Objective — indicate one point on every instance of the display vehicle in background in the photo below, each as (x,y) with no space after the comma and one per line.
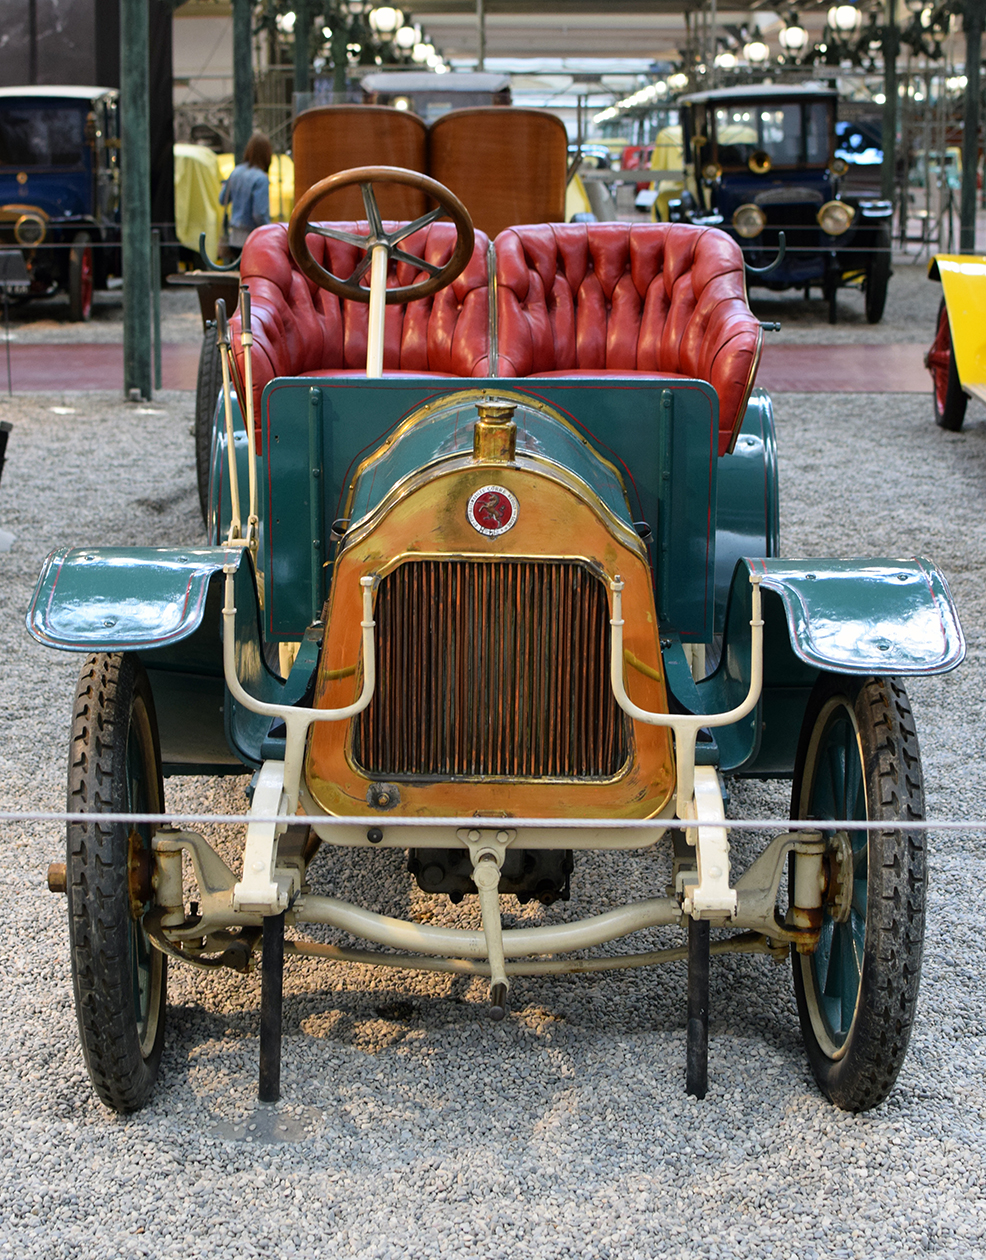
(60,188)
(957,358)
(493,578)
(760,161)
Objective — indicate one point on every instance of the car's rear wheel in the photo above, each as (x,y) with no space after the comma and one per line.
(878,277)
(207,390)
(119,978)
(81,278)
(858,759)
(946,390)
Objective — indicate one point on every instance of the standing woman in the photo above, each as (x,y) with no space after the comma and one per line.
(247,192)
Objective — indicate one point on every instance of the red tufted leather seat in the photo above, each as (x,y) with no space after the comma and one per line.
(666,299)
(302,330)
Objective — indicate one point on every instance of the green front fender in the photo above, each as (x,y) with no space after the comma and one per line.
(868,617)
(123,599)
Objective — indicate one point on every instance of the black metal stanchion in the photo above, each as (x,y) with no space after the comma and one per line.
(697,1049)
(271,1003)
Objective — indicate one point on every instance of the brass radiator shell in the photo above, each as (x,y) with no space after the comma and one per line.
(521,763)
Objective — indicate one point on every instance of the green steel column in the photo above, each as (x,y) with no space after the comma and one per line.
(242,77)
(302,36)
(972,21)
(135,163)
(891,43)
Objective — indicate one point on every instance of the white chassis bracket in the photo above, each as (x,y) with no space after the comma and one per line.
(266,888)
(712,895)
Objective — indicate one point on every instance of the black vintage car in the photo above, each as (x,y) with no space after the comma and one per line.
(60,188)
(759,161)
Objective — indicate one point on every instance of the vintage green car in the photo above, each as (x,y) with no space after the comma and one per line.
(493,578)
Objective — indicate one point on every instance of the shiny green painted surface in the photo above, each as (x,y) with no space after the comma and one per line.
(116,599)
(248,733)
(747,512)
(448,431)
(869,616)
(659,435)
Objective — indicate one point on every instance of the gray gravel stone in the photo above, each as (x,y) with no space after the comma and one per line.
(426,1130)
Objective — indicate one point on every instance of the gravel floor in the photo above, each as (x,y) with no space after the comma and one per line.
(424,1130)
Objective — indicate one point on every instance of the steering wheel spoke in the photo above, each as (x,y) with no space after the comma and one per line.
(361,269)
(337,234)
(414,261)
(410,228)
(366,177)
(372,211)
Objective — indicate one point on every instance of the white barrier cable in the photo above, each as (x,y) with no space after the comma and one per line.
(500,823)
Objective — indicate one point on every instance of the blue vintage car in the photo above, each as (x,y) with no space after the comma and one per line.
(761,161)
(493,578)
(60,188)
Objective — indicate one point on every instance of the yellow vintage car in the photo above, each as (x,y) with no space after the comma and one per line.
(957,358)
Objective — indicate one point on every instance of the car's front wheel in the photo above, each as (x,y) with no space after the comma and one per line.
(858,760)
(119,978)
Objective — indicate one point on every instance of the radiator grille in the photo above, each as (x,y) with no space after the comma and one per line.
(492,670)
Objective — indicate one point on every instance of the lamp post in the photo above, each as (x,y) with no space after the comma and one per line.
(135,163)
(891,43)
(242,78)
(972,22)
(302,52)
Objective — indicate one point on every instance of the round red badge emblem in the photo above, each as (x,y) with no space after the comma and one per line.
(492,510)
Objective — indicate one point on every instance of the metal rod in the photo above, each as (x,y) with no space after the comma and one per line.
(375,325)
(742,943)
(697,1052)
(6,337)
(271,1008)
(481,35)
(156,302)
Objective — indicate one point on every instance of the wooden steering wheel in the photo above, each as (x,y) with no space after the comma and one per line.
(366,177)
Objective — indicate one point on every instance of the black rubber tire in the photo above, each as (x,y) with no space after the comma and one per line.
(862,728)
(207,390)
(878,278)
(81,278)
(119,979)
(948,398)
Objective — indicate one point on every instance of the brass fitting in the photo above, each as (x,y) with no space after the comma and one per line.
(495,434)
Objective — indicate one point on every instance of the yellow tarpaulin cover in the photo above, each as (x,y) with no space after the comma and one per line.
(667,156)
(963,278)
(199,174)
(197,206)
(576,201)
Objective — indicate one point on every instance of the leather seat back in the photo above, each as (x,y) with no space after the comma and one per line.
(300,328)
(662,298)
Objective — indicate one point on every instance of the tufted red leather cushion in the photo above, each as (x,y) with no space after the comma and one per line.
(663,298)
(300,329)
